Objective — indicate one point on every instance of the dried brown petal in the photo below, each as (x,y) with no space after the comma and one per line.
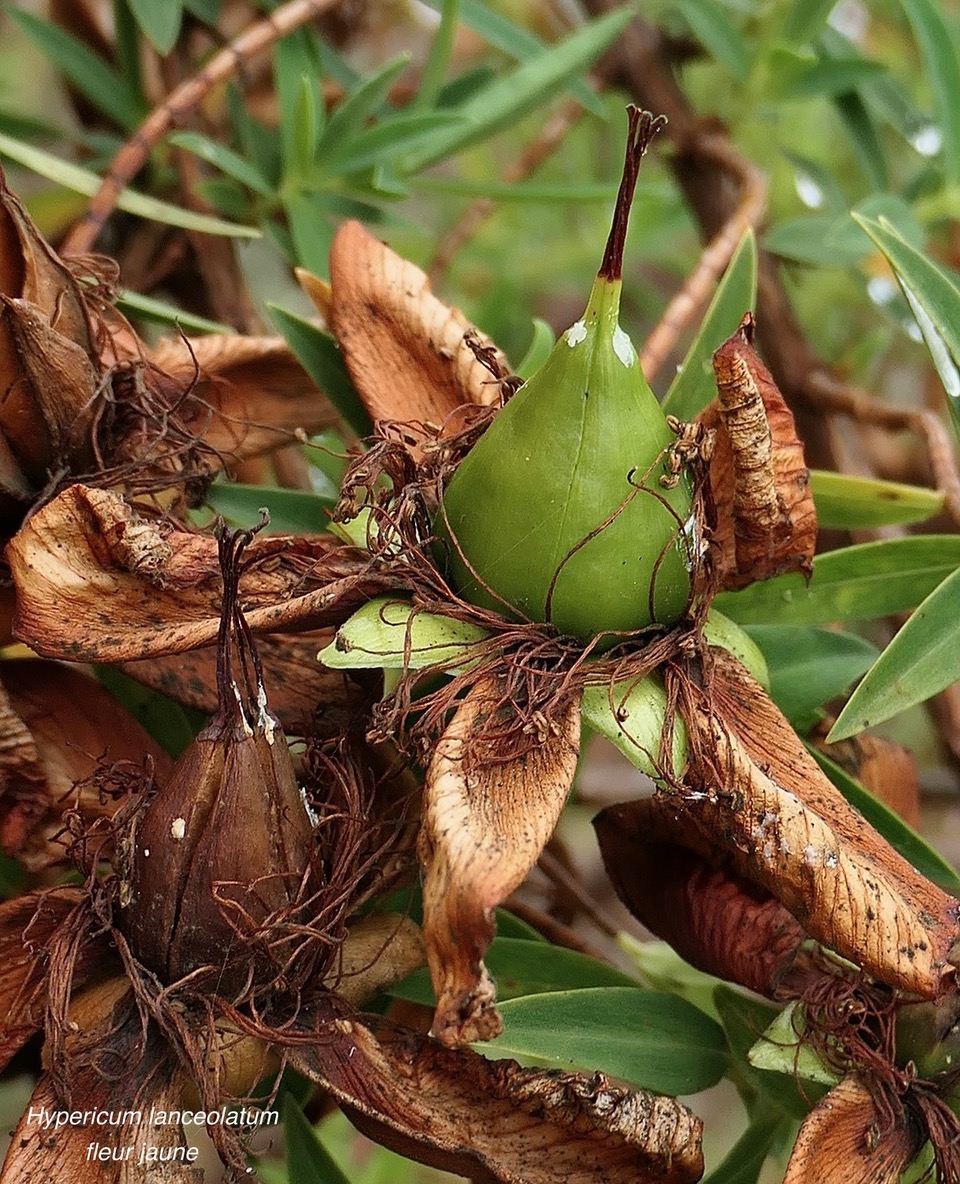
(28,925)
(126,1075)
(884,767)
(96,583)
(248,394)
(495,1122)
(847,1138)
(714,919)
(58,725)
(766,521)
(484,826)
(762,803)
(408,353)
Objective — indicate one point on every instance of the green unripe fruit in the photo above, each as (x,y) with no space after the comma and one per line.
(558,510)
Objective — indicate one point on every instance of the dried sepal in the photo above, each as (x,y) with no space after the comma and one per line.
(495,1122)
(714,919)
(762,804)
(765,517)
(58,727)
(850,1137)
(411,357)
(248,395)
(486,818)
(96,582)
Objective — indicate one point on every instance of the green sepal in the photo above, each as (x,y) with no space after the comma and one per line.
(631,715)
(389,634)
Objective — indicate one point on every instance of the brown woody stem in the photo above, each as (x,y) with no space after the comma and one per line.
(643,127)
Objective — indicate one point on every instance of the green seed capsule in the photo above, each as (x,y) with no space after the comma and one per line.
(557,513)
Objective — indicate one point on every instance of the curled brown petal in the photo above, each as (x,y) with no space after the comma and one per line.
(485,823)
(850,1138)
(495,1122)
(97,583)
(714,919)
(411,357)
(766,521)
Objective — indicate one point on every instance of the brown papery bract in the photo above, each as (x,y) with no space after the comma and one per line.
(485,823)
(411,357)
(766,522)
(493,1121)
(96,582)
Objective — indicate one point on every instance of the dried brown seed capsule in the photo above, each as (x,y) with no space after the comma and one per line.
(219,859)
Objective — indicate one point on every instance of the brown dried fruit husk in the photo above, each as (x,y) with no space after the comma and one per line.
(885,768)
(766,522)
(58,727)
(485,821)
(714,919)
(96,582)
(850,1137)
(493,1121)
(411,357)
(761,805)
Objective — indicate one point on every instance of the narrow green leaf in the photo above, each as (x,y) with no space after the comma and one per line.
(135,304)
(694,387)
(126,49)
(942,71)
(308,1161)
(438,59)
(934,300)
(293,60)
(661,967)
(849,503)
(716,33)
(225,159)
(291,510)
(851,584)
(81,180)
(518,43)
(207,11)
(309,220)
(538,350)
(810,666)
(833,76)
(258,144)
(363,102)
(159,21)
(107,90)
(521,968)
(305,132)
(913,847)
(514,94)
(652,1040)
(386,633)
(318,353)
(920,661)
(826,240)
(390,137)
(744,1161)
(805,19)
(864,137)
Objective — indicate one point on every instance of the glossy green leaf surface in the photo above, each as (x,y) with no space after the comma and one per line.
(291,510)
(854,584)
(781,1049)
(631,715)
(521,967)
(849,502)
(386,633)
(899,835)
(809,666)
(920,661)
(694,386)
(646,1038)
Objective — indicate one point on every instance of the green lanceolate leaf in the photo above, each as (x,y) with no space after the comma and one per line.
(850,503)
(290,510)
(557,513)
(308,1161)
(135,304)
(744,1161)
(158,21)
(810,666)
(934,300)
(387,633)
(631,716)
(661,967)
(901,837)
(522,968)
(712,27)
(920,661)
(694,385)
(647,1038)
(852,584)
(942,71)
(361,104)
(227,161)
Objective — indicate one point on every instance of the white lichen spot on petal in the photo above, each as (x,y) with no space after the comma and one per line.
(623,347)
(575,334)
